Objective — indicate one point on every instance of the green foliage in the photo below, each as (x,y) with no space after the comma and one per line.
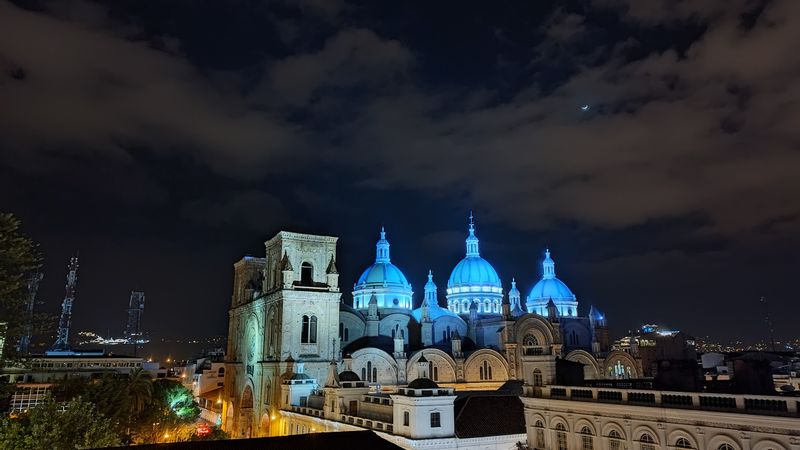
(172,412)
(19,257)
(79,426)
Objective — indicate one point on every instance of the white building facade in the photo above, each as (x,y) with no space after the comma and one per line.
(582,418)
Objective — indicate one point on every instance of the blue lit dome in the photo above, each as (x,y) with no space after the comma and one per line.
(551,288)
(382,273)
(383,280)
(474,280)
(474,271)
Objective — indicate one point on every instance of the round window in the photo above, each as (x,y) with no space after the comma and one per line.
(396,301)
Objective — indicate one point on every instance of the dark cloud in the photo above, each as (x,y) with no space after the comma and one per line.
(336,118)
(90,91)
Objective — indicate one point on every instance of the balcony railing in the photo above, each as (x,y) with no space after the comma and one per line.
(745,404)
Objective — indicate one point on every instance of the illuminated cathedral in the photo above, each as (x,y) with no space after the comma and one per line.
(291,336)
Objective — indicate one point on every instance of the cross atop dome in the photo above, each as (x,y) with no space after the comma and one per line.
(548,266)
(382,249)
(472,240)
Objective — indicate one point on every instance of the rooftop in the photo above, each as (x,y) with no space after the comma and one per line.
(345,439)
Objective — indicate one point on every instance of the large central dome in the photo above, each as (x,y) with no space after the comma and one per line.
(474,280)
(473,271)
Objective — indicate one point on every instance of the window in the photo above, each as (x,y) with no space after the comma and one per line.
(485,371)
(561,437)
(307,274)
(374,374)
(539,434)
(435,373)
(647,442)
(341,330)
(436,420)
(586,439)
(308,334)
(683,443)
(614,440)
(537,378)
(405,418)
(368,378)
(725,446)
(346,334)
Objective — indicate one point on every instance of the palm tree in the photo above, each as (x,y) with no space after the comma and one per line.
(138,393)
(139,390)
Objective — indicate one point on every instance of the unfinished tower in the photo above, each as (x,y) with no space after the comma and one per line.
(133,329)
(62,341)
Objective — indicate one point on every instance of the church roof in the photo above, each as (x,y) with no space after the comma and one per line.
(382,272)
(423,383)
(348,375)
(550,287)
(473,270)
(384,343)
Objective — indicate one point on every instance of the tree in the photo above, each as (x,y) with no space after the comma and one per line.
(139,390)
(58,426)
(19,258)
(171,413)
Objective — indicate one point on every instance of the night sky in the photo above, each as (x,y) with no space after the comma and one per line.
(165,140)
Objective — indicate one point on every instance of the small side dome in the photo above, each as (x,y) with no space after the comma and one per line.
(348,375)
(300,376)
(423,383)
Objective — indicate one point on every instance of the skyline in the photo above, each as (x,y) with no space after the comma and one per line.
(652,148)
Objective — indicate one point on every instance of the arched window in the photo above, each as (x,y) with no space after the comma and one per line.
(647,442)
(346,334)
(435,373)
(561,437)
(374,374)
(308,334)
(221,372)
(683,443)
(368,378)
(537,378)
(405,418)
(341,330)
(539,434)
(614,440)
(725,446)
(364,374)
(307,274)
(444,335)
(449,334)
(485,371)
(587,442)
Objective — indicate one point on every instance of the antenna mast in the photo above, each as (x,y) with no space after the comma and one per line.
(62,341)
(33,288)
